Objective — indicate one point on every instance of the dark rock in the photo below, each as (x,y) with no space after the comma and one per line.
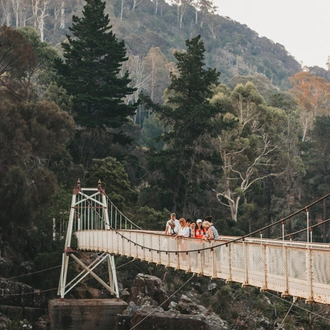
(32,314)
(86,293)
(12,312)
(212,286)
(197,286)
(6,266)
(123,322)
(19,294)
(131,309)
(42,324)
(3,322)
(173,305)
(187,306)
(148,290)
(148,319)
(124,294)
(26,267)
(216,323)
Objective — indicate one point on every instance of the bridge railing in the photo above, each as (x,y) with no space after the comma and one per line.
(292,268)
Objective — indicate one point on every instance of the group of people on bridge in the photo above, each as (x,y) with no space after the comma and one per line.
(186,228)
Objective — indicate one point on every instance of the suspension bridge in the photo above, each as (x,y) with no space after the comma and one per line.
(292,268)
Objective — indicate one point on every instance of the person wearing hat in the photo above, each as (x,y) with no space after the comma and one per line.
(199,230)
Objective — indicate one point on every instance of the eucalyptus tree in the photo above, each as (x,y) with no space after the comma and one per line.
(14,51)
(157,66)
(33,130)
(188,116)
(316,158)
(28,63)
(42,71)
(251,150)
(17,57)
(312,94)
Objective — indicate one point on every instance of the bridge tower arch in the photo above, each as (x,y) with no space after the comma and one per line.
(89,210)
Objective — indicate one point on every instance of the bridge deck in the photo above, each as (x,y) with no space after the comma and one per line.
(296,269)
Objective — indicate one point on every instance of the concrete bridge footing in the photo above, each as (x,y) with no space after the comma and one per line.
(84,314)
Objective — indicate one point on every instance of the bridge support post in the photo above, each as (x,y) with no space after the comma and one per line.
(89,210)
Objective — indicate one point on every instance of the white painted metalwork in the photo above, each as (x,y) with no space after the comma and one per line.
(89,211)
(297,269)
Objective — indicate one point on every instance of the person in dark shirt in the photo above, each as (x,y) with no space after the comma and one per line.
(188,223)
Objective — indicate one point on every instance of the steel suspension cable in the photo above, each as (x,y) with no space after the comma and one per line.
(241,238)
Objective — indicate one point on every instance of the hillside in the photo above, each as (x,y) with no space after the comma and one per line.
(232,48)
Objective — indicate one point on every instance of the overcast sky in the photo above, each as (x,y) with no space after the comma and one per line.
(303,28)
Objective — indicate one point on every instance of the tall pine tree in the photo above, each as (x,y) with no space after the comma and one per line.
(90,72)
(189,117)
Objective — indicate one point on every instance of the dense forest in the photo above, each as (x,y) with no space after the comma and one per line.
(173,107)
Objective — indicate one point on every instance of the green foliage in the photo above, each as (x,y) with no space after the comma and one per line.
(282,101)
(150,219)
(90,72)
(188,116)
(151,131)
(18,325)
(16,54)
(316,160)
(16,203)
(114,180)
(59,96)
(250,148)
(45,54)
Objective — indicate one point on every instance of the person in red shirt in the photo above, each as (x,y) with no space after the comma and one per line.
(199,230)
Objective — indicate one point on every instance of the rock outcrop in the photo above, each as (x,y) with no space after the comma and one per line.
(150,307)
(20,301)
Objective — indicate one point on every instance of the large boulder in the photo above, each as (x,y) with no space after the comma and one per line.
(19,294)
(148,290)
(3,322)
(187,306)
(6,266)
(42,323)
(15,293)
(150,308)
(160,320)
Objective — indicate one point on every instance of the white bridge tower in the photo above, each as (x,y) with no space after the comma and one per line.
(89,210)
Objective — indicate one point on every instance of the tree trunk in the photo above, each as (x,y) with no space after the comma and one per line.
(156,6)
(121,10)
(16,7)
(324,225)
(178,182)
(153,77)
(34,7)
(62,21)
(134,4)
(41,20)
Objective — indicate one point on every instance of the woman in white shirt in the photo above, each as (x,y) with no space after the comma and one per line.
(183,228)
(183,232)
